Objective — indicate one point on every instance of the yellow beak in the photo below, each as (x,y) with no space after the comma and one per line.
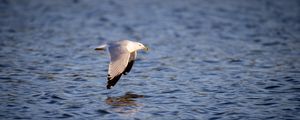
(146,48)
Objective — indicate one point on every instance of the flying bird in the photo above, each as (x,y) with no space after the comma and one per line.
(122,56)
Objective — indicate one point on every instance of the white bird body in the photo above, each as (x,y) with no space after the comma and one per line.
(122,55)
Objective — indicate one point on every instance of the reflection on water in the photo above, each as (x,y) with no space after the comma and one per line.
(125,100)
(125,104)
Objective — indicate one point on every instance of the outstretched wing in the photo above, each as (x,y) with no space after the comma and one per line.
(130,62)
(119,60)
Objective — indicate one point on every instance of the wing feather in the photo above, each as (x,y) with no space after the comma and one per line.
(119,60)
(130,62)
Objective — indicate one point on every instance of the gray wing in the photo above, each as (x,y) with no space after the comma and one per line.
(130,62)
(119,61)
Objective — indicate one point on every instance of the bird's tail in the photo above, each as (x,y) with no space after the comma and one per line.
(101,47)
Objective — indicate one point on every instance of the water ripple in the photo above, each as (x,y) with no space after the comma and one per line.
(208,60)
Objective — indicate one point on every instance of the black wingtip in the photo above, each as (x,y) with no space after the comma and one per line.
(113,81)
(128,68)
(108,87)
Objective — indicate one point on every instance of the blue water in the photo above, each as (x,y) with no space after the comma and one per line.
(208,59)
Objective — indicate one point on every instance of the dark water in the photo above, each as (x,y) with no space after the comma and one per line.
(209,59)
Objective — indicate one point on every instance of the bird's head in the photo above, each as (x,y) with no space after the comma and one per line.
(134,46)
(142,47)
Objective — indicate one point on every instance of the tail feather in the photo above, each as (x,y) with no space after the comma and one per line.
(101,47)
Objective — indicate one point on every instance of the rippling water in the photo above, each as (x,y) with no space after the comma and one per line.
(208,59)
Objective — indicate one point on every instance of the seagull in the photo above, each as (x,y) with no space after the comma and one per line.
(122,56)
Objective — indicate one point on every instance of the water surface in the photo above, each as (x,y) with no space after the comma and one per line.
(208,59)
